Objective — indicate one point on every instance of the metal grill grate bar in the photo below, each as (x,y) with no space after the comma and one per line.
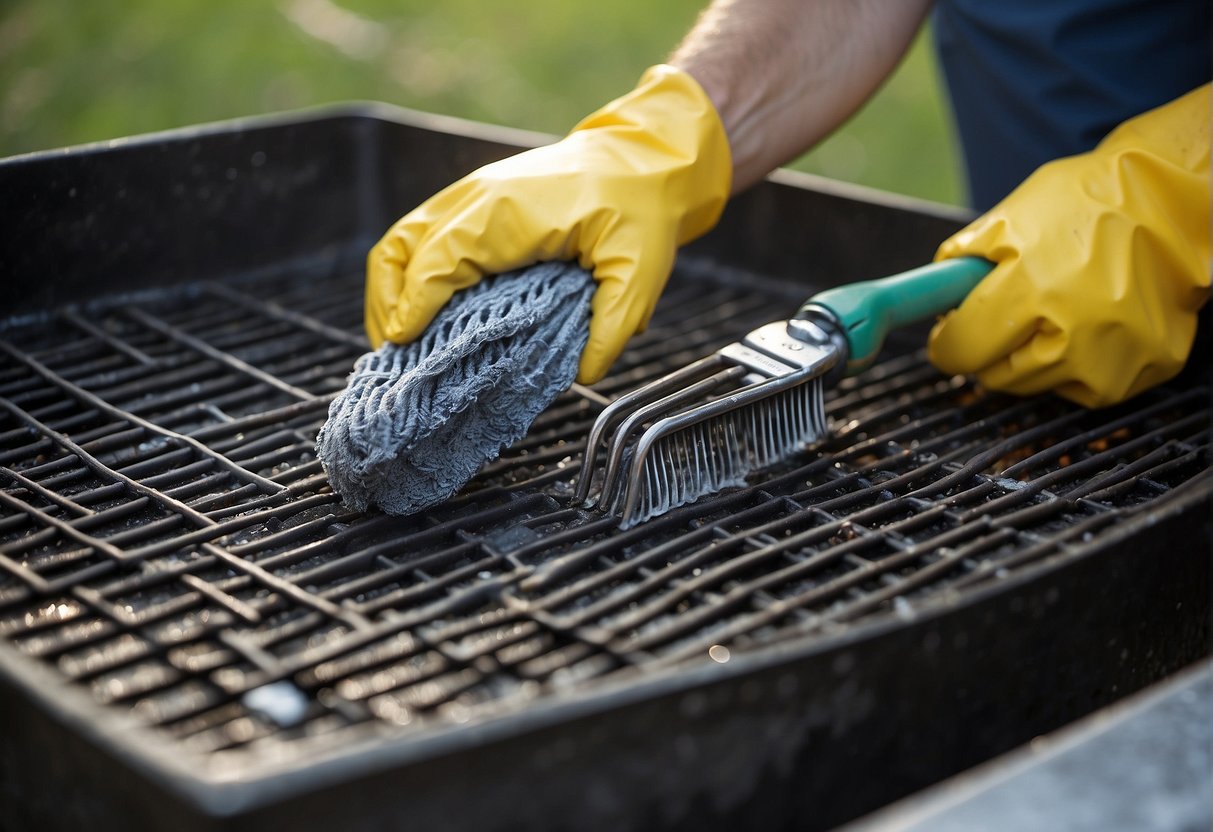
(168,541)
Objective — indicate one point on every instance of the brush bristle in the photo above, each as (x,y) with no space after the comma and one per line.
(721,451)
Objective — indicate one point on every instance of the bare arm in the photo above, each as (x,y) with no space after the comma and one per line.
(784,73)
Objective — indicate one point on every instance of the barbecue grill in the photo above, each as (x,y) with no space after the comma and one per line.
(195,633)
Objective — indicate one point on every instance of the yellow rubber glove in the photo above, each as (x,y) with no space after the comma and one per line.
(1103,263)
(633,181)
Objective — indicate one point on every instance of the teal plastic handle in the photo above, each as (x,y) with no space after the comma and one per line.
(870,309)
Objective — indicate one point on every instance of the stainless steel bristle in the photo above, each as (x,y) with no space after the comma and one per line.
(709,425)
(717,445)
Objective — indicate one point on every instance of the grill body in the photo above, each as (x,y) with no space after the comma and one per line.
(950,576)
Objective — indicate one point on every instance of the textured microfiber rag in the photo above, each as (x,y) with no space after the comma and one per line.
(416,422)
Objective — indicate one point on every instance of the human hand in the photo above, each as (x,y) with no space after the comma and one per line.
(1103,263)
(633,181)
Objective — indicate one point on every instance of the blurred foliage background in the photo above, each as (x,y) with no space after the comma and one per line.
(77,72)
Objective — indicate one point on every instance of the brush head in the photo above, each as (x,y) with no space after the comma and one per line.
(684,457)
(708,426)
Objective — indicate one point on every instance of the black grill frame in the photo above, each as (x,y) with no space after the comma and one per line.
(616,749)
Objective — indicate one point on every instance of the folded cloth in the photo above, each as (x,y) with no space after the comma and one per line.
(417,421)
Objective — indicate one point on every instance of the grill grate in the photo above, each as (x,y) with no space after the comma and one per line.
(168,541)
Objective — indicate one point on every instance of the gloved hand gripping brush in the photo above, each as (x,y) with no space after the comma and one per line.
(1103,266)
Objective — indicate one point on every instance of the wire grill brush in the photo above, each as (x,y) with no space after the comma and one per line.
(754,402)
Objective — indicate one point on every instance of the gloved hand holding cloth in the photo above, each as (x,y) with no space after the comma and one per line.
(633,181)
(1103,261)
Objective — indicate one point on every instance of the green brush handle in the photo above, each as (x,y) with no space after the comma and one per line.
(870,309)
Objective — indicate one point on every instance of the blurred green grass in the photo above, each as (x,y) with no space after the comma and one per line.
(79,72)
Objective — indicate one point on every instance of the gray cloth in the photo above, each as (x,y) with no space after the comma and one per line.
(416,422)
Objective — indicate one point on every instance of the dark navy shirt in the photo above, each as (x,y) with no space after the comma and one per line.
(1034,80)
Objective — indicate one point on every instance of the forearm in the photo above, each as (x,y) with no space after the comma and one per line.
(784,73)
